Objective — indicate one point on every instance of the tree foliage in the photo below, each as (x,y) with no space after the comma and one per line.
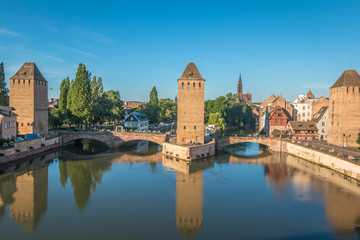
(154,96)
(226,110)
(4,91)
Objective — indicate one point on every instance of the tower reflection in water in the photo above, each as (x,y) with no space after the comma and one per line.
(189,193)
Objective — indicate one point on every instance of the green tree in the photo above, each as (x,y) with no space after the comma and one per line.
(64,92)
(4,91)
(358,140)
(216,119)
(167,110)
(153,96)
(81,96)
(54,118)
(116,109)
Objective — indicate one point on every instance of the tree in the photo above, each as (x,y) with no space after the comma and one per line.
(358,140)
(116,109)
(216,119)
(153,96)
(4,91)
(54,118)
(167,110)
(81,96)
(64,92)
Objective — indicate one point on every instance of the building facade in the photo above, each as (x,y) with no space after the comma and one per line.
(240,95)
(7,123)
(302,130)
(344,114)
(190,115)
(321,120)
(278,120)
(29,98)
(136,121)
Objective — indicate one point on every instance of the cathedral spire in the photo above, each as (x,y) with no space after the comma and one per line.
(240,86)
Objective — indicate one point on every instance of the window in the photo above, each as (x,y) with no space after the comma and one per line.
(303,114)
(188,85)
(323,131)
(193,85)
(308,114)
(323,123)
(28,124)
(184,127)
(308,107)
(194,127)
(182,85)
(200,86)
(281,121)
(22,124)
(276,120)
(5,124)
(303,107)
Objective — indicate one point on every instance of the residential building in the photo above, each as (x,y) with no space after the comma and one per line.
(316,106)
(29,98)
(240,95)
(278,119)
(136,121)
(307,105)
(302,130)
(7,123)
(321,120)
(271,103)
(344,114)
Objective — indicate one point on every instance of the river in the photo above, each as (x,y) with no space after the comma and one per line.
(136,193)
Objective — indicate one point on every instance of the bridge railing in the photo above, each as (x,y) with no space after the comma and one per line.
(140,131)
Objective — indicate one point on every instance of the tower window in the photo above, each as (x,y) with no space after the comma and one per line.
(188,85)
(199,85)
(194,127)
(184,127)
(193,85)
(182,85)
(18,81)
(14,83)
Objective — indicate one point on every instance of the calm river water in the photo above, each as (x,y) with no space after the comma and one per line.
(136,193)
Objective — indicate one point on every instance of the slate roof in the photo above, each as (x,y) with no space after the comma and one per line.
(349,78)
(191,73)
(29,71)
(6,111)
(303,126)
(317,116)
(139,116)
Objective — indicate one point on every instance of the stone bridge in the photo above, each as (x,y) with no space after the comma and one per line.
(114,139)
(273,144)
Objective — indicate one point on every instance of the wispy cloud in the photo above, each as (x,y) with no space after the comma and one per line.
(79,51)
(317,85)
(5,31)
(56,59)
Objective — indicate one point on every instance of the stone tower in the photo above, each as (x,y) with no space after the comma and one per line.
(190,116)
(29,98)
(344,115)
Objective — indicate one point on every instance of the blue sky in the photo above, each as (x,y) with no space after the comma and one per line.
(280,47)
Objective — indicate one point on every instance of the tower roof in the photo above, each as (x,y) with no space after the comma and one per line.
(29,71)
(310,95)
(349,78)
(191,73)
(240,81)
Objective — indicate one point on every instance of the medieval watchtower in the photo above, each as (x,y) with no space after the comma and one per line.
(29,97)
(344,116)
(190,115)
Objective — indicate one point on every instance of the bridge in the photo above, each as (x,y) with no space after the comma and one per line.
(114,139)
(273,144)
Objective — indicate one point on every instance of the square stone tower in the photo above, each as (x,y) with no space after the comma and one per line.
(344,115)
(29,98)
(190,111)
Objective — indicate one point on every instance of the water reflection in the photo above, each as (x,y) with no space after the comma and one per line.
(24,191)
(84,176)
(189,193)
(247,150)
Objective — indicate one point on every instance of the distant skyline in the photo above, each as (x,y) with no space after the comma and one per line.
(280,47)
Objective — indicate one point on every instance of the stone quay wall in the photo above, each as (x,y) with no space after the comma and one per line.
(187,152)
(345,167)
(29,148)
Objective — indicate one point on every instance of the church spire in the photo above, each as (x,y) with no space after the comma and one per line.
(240,86)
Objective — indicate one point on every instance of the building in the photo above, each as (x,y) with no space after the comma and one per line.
(344,114)
(316,106)
(7,123)
(136,121)
(307,105)
(29,98)
(278,119)
(132,104)
(271,103)
(240,95)
(302,130)
(190,115)
(53,103)
(321,120)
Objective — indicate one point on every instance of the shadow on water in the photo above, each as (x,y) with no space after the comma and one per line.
(140,148)
(87,147)
(247,150)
